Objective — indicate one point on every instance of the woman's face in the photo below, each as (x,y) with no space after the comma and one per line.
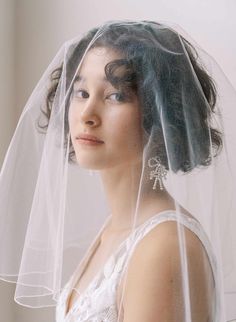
(98,109)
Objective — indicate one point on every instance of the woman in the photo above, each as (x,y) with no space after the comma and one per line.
(132,103)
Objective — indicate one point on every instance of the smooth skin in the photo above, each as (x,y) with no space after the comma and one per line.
(154,292)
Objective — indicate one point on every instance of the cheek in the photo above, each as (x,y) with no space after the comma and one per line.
(126,127)
(71,117)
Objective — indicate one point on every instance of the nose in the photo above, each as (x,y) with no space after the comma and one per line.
(89,114)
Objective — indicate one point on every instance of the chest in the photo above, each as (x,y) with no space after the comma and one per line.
(100,263)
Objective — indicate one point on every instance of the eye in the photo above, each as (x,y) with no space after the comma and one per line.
(117,97)
(80,93)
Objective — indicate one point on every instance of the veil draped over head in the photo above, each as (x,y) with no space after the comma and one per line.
(164,120)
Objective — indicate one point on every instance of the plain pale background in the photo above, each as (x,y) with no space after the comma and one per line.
(31,32)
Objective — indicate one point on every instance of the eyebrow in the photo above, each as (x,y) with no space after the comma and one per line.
(79,78)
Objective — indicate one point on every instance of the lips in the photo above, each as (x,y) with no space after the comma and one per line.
(88,137)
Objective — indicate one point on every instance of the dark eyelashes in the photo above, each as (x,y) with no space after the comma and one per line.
(80,91)
(120,96)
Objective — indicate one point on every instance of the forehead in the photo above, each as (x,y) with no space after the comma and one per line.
(94,62)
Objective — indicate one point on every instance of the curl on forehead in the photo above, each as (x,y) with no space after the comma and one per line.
(108,66)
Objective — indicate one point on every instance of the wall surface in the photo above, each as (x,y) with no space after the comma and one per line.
(32,31)
(7,119)
(7,75)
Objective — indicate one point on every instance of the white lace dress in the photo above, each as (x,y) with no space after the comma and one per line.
(98,302)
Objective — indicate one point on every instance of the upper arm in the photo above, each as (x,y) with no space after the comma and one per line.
(154,284)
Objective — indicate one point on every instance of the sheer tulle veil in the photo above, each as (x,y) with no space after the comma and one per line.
(52,196)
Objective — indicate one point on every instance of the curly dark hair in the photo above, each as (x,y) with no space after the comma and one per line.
(157,65)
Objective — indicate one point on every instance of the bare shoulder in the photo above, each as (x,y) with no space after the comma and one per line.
(164,240)
(153,290)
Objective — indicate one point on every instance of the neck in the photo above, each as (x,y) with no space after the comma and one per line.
(121,185)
